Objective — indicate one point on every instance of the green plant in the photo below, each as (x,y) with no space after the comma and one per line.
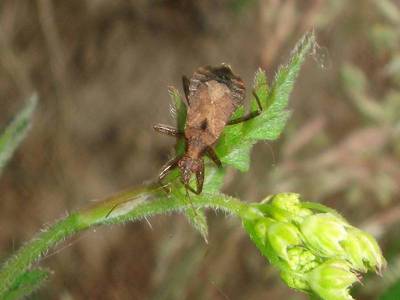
(315,250)
(15,132)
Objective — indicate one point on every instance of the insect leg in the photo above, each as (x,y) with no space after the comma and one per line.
(260,109)
(168,130)
(199,181)
(168,167)
(185,82)
(188,187)
(211,154)
(250,115)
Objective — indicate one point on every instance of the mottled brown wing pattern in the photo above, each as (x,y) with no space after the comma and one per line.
(222,74)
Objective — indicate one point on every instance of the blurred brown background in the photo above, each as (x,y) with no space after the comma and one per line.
(101,69)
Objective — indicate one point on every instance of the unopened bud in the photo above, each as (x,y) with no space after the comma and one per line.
(313,247)
(285,206)
(324,233)
(332,280)
(363,251)
(301,259)
(283,236)
(295,281)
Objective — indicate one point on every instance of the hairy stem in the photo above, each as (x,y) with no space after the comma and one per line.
(130,205)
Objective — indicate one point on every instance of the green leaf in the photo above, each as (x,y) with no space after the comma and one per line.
(178,108)
(178,111)
(261,89)
(286,76)
(16,131)
(235,143)
(26,284)
(212,183)
(197,218)
(232,149)
(214,178)
(238,157)
(268,127)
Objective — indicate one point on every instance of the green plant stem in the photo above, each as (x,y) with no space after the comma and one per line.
(126,206)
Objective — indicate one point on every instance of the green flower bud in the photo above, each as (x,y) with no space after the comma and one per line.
(332,280)
(363,251)
(283,236)
(261,228)
(258,232)
(324,233)
(302,260)
(313,247)
(295,281)
(285,206)
(304,212)
(287,201)
(253,212)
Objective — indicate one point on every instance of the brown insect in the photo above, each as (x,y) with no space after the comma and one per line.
(212,95)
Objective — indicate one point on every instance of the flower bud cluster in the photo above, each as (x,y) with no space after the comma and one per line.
(314,248)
